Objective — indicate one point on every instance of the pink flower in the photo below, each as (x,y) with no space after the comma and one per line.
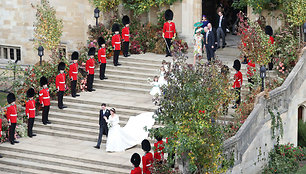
(277,67)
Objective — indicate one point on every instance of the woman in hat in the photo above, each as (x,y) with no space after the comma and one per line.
(197,44)
(204,21)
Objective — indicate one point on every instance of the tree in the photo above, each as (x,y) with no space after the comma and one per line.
(47,28)
(191,103)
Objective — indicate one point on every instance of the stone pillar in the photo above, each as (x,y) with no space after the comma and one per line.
(186,13)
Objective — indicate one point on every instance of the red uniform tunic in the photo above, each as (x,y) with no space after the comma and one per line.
(11,114)
(73,71)
(137,170)
(126,34)
(238,80)
(116,41)
(251,69)
(61,82)
(159,150)
(147,161)
(30,108)
(90,66)
(102,55)
(169,29)
(44,97)
(271,40)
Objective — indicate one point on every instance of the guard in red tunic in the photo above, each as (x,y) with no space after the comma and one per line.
(90,68)
(73,73)
(11,115)
(169,31)
(30,111)
(250,73)
(125,35)
(147,159)
(238,82)
(269,32)
(0,132)
(159,148)
(44,99)
(116,43)
(102,57)
(135,160)
(61,84)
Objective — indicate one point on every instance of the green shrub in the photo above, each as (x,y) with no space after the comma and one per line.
(302,134)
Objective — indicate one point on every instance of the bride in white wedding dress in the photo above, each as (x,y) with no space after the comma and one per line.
(121,138)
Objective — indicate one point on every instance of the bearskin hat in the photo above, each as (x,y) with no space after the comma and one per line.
(237,65)
(115,27)
(101,41)
(158,135)
(125,20)
(135,159)
(61,66)
(30,93)
(11,98)
(269,30)
(74,55)
(92,51)
(43,81)
(168,15)
(145,145)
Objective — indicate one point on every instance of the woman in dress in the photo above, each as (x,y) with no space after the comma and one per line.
(121,138)
(197,41)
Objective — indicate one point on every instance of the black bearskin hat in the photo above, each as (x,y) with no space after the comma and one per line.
(158,135)
(101,41)
(30,93)
(115,27)
(269,30)
(135,159)
(145,145)
(43,81)
(74,55)
(168,15)
(11,98)
(92,51)
(61,66)
(125,20)
(237,65)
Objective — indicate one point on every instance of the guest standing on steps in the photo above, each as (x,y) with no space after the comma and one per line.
(169,31)
(104,114)
(221,30)
(116,43)
(125,35)
(30,111)
(11,115)
(73,73)
(209,44)
(102,57)
(90,68)
(44,99)
(61,84)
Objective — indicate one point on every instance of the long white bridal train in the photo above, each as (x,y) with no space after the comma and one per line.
(121,138)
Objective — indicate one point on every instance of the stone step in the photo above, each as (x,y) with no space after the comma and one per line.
(130,73)
(36,155)
(77,167)
(6,168)
(123,78)
(140,59)
(130,69)
(115,83)
(128,62)
(109,105)
(122,89)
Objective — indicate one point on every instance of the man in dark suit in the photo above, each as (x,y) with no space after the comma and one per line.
(209,43)
(104,114)
(221,29)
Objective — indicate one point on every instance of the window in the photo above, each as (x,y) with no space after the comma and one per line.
(10,52)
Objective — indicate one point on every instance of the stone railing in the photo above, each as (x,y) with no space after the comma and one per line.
(279,100)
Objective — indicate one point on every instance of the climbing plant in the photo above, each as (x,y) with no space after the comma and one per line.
(47,28)
(276,123)
(105,5)
(295,11)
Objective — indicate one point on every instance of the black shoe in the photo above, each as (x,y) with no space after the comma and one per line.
(97,147)
(115,65)
(118,64)
(223,46)
(15,141)
(60,107)
(74,96)
(105,78)
(77,95)
(45,123)
(48,122)
(64,106)
(1,156)
(33,135)
(101,78)
(128,55)
(93,90)
(12,142)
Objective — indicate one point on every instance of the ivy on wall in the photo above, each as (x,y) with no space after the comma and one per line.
(105,5)
(47,28)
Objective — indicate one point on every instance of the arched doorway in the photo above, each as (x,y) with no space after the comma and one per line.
(301,126)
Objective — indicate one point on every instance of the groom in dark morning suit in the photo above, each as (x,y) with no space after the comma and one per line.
(104,114)
(209,42)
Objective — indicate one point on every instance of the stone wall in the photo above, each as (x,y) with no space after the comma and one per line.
(252,143)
